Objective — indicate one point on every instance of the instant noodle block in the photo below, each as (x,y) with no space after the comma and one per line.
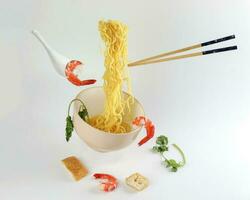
(75,167)
(137,181)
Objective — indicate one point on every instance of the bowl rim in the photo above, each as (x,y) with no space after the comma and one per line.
(138,129)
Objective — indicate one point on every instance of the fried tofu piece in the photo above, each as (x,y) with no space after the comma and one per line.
(76,168)
(137,181)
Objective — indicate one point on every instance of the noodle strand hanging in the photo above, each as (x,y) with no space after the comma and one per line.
(114,35)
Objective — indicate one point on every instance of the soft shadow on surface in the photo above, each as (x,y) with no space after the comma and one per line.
(125,188)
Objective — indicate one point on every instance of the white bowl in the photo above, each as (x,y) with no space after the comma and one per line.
(98,140)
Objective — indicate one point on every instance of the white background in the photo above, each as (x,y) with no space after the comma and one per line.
(202,104)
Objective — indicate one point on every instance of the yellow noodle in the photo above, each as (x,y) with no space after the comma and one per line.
(114,35)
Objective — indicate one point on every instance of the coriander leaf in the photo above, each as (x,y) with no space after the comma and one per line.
(155,148)
(173,169)
(83,114)
(162,140)
(166,162)
(173,163)
(162,149)
(69,128)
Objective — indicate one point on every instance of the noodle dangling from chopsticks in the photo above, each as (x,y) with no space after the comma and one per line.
(114,35)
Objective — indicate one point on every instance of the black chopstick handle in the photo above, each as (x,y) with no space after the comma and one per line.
(230,37)
(219,50)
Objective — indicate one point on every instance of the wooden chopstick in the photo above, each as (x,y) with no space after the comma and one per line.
(135,63)
(201,53)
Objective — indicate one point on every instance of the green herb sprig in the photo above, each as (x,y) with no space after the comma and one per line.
(83,113)
(162,146)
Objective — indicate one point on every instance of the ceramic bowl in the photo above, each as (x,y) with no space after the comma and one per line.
(98,140)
